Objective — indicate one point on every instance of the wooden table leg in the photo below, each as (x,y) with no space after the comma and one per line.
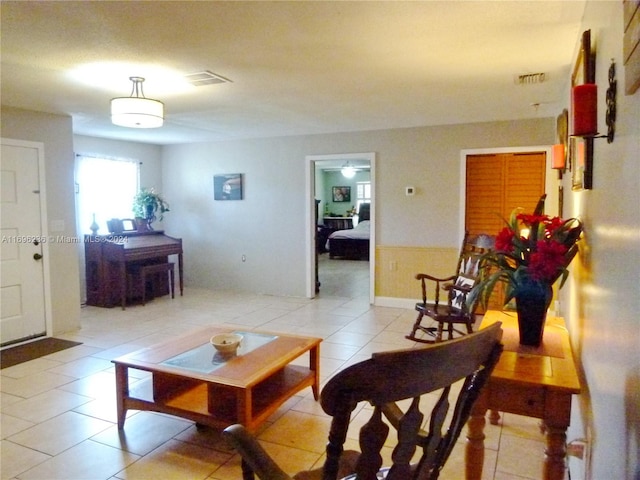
(494,417)
(180,268)
(122,391)
(474,448)
(244,399)
(314,365)
(555,452)
(122,268)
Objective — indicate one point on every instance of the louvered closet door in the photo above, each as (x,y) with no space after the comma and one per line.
(496,184)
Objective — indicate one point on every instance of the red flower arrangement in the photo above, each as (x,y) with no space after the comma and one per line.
(532,250)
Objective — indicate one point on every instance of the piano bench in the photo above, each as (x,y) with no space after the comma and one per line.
(156,269)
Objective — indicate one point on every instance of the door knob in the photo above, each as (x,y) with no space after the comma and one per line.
(37,256)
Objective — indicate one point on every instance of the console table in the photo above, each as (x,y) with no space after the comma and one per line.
(535,382)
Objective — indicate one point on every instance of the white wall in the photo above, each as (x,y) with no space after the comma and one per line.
(55,132)
(268,226)
(604,294)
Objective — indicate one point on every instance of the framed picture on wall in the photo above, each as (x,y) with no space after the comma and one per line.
(227,187)
(341,194)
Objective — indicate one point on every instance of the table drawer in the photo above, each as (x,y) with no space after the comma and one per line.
(520,400)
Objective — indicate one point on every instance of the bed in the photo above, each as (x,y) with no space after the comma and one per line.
(352,243)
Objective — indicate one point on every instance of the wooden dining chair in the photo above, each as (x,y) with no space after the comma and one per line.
(451,312)
(383,380)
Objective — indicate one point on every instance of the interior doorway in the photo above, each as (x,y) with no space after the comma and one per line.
(319,190)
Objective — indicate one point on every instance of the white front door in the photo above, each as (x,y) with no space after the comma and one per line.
(22,307)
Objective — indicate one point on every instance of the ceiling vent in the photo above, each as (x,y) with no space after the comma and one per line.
(530,78)
(200,79)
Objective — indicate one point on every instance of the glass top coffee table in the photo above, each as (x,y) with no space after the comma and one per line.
(190,379)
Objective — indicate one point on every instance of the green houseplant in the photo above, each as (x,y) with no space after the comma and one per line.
(531,253)
(149,205)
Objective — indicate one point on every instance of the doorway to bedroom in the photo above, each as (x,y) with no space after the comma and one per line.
(341,193)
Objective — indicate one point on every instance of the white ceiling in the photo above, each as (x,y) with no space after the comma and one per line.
(296,68)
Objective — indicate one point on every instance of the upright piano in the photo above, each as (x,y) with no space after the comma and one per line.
(109,259)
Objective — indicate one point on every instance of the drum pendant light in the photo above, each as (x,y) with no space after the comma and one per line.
(136,111)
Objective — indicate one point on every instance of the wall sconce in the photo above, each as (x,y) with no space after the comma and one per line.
(611,103)
(558,157)
(137,111)
(585,110)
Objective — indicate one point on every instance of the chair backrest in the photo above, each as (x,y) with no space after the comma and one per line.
(389,377)
(364,212)
(468,268)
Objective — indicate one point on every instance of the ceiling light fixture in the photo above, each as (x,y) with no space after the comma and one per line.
(136,111)
(348,171)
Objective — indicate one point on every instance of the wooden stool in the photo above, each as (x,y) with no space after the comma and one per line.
(154,270)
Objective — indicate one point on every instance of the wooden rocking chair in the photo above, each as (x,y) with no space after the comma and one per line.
(454,310)
(384,379)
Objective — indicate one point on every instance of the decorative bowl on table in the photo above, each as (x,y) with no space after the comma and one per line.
(226,342)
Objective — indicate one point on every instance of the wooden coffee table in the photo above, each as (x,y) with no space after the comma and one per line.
(190,379)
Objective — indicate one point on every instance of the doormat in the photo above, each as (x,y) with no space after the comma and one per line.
(32,350)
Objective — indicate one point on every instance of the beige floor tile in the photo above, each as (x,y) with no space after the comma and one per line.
(34,384)
(73,353)
(309,405)
(143,432)
(521,426)
(7,399)
(337,351)
(350,338)
(87,460)
(520,456)
(11,425)
(392,338)
(117,351)
(299,430)
(291,460)
(98,385)
(29,368)
(59,433)
(82,367)
(455,465)
(176,460)
(103,408)
(16,459)
(45,406)
(205,437)
(230,470)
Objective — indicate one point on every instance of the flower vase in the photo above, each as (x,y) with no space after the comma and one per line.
(149,216)
(532,302)
(94,227)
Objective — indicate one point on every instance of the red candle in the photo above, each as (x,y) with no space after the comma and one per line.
(558,157)
(585,109)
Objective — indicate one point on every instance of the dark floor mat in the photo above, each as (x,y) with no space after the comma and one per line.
(23,353)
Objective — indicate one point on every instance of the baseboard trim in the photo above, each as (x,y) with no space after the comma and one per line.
(394,302)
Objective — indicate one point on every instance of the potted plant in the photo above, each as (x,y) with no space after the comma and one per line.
(531,253)
(149,206)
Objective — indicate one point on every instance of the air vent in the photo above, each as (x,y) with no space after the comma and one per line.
(200,79)
(530,78)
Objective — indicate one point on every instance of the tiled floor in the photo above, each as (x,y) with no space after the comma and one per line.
(58,412)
